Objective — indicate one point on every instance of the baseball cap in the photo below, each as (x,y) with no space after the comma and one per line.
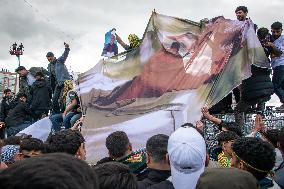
(187,154)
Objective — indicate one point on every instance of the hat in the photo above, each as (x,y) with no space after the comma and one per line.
(49,54)
(8,152)
(187,154)
(216,178)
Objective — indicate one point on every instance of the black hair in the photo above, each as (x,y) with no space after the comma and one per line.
(67,141)
(257,153)
(20,68)
(116,176)
(242,8)
(191,125)
(231,126)
(272,136)
(276,25)
(12,140)
(117,144)
(20,95)
(51,171)
(262,33)
(175,45)
(40,74)
(7,91)
(281,139)
(156,147)
(226,136)
(30,144)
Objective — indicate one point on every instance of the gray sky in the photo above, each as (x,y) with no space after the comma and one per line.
(48,24)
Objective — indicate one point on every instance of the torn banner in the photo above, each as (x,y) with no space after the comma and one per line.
(179,67)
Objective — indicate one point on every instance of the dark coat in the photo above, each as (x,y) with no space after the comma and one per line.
(153,177)
(257,88)
(18,115)
(6,106)
(162,185)
(41,95)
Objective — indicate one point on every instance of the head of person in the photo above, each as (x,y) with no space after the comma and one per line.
(13,140)
(156,148)
(253,155)
(118,145)
(10,154)
(271,136)
(22,71)
(31,147)
(175,46)
(8,93)
(231,126)
(115,175)
(216,178)
(67,141)
(225,140)
(39,76)
(276,30)
(51,171)
(241,13)
(187,155)
(22,97)
(280,143)
(50,57)
(263,35)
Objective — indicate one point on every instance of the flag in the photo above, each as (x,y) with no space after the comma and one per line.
(179,67)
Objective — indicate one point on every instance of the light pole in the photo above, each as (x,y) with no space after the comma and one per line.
(18,51)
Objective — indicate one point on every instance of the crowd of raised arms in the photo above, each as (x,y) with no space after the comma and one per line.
(181,160)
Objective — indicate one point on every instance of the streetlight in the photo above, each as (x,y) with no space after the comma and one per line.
(18,51)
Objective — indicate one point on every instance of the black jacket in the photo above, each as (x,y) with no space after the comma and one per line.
(6,105)
(18,115)
(41,94)
(154,177)
(162,185)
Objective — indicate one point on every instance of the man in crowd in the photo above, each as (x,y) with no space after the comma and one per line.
(27,78)
(277,61)
(19,117)
(225,140)
(50,171)
(255,156)
(7,104)
(120,150)
(61,74)
(187,155)
(216,178)
(157,161)
(41,95)
(115,175)
(31,147)
(67,141)
(241,13)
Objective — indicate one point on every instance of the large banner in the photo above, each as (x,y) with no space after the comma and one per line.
(179,67)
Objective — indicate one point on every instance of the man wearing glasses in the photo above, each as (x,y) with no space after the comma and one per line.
(277,61)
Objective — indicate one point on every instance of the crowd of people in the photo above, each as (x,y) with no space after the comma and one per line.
(181,160)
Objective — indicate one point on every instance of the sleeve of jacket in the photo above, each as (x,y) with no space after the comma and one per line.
(64,56)
(2,113)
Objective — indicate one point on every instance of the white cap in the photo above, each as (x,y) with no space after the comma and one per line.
(187,154)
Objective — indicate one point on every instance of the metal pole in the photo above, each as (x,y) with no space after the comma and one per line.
(19,60)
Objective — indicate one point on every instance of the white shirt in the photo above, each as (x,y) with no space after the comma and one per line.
(278,61)
(30,79)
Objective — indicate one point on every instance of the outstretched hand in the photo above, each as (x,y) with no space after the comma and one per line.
(66,45)
(205,112)
(259,124)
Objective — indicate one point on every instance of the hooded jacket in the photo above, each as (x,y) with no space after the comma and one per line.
(41,95)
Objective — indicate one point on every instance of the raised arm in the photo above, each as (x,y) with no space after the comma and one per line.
(64,56)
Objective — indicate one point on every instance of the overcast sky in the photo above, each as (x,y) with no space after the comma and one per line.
(82,23)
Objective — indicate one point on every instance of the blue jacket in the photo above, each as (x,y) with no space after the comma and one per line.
(61,71)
